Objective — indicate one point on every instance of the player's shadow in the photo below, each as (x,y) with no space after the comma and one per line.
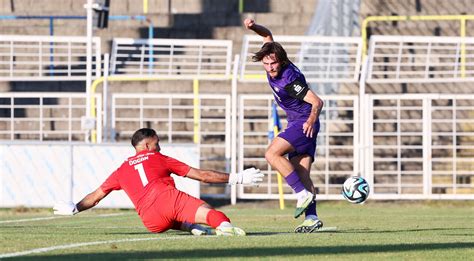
(259,252)
(285,233)
(364,231)
(179,233)
(268,233)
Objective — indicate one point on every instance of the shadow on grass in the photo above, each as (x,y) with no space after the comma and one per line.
(187,234)
(364,231)
(267,252)
(348,231)
(267,233)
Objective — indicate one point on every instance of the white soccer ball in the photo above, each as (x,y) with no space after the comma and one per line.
(355,189)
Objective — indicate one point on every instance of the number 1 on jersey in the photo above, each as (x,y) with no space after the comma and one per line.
(141,173)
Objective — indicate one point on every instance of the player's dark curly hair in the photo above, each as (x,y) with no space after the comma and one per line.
(269,48)
(142,134)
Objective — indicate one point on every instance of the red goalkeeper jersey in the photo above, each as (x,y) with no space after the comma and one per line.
(144,176)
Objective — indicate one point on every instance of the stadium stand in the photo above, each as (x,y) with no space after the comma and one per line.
(441,179)
(418,28)
(171,19)
(221,20)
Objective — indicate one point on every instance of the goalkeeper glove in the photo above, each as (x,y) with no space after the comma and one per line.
(248,176)
(65,208)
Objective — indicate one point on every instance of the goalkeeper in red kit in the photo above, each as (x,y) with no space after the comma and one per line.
(146,180)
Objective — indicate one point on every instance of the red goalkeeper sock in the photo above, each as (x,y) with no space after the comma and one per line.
(215,218)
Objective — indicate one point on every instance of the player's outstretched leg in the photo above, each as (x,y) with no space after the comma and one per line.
(304,200)
(303,196)
(309,225)
(312,222)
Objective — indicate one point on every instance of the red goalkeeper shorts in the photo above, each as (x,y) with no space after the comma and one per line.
(171,208)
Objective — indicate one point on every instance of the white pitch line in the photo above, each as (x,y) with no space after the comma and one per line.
(27,219)
(327,229)
(55,217)
(53,248)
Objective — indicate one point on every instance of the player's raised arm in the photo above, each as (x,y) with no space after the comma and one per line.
(259,29)
(248,176)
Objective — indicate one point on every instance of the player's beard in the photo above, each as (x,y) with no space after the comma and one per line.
(273,74)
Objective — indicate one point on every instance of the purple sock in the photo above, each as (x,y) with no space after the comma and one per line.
(294,181)
(311,210)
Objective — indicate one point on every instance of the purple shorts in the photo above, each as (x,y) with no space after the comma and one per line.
(295,136)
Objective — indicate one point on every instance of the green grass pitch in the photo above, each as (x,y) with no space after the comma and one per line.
(437,230)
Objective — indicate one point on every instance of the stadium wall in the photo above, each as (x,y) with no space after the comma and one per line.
(38,175)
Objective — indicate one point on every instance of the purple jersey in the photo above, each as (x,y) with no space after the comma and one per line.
(289,89)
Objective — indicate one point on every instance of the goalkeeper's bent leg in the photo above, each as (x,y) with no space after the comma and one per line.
(194,229)
(221,223)
(215,218)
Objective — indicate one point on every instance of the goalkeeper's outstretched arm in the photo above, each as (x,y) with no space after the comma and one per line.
(249,176)
(91,200)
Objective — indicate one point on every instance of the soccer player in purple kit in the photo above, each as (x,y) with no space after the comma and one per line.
(298,140)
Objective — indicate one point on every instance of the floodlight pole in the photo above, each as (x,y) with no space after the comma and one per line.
(89,63)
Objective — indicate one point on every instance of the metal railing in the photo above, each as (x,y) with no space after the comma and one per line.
(321,59)
(401,59)
(46,58)
(45,116)
(421,146)
(462,19)
(384,155)
(172,57)
(177,118)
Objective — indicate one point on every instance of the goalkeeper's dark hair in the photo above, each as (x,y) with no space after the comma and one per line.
(269,48)
(142,134)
